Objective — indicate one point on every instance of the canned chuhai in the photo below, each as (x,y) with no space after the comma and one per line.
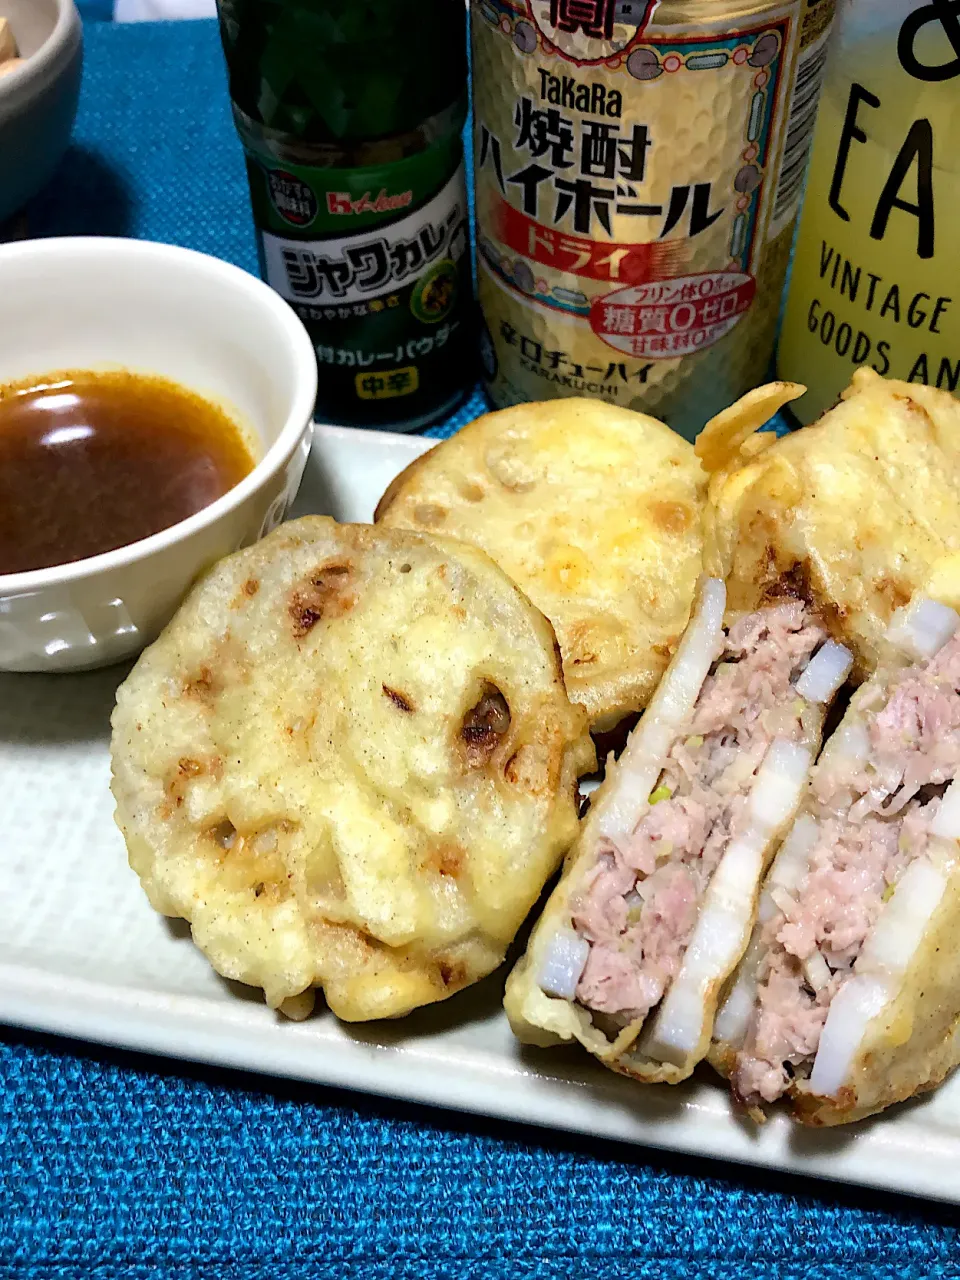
(638,174)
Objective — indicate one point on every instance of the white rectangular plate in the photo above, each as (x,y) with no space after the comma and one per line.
(82,954)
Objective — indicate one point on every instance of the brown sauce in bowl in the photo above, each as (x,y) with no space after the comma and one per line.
(94,461)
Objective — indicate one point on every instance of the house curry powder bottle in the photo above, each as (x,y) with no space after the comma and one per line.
(350,113)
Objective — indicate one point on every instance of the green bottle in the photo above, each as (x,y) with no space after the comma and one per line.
(350,113)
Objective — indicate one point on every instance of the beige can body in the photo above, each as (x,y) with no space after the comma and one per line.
(638,173)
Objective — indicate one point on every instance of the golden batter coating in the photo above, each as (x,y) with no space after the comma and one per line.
(852,512)
(350,762)
(595,512)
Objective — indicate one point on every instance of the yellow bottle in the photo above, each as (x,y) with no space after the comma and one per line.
(876,273)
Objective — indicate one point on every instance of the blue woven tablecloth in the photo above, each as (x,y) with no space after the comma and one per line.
(113,1165)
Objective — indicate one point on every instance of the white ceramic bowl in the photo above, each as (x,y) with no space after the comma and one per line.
(38,100)
(150,308)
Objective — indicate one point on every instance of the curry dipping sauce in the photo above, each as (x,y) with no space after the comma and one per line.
(94,461)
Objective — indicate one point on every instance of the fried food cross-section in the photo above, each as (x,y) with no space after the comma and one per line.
(595,512)
(848,999)
(852,511)
(350,762)
(658,896)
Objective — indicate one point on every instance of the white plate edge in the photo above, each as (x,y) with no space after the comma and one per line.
(144,1022)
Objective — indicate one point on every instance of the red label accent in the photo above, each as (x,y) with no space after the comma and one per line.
(609,261)
(662,319)
(342,202)
(571,27)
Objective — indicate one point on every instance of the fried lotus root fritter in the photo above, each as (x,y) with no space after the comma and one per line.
(851,512)
(350,762)
(658,897)
(595,512)
(848,998)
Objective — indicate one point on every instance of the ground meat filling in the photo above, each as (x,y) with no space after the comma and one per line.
(640,901)
(874,819)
